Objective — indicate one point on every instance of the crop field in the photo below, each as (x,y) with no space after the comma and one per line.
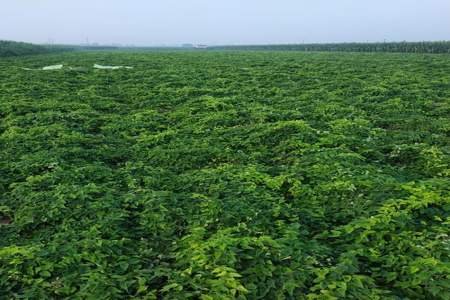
(225,175)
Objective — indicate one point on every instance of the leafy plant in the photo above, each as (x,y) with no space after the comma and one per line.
(225,175)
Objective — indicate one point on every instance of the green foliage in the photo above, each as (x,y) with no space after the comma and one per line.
(225,175)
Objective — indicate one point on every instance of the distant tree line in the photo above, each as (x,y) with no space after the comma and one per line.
(11,48)
(81,47)
(407,47)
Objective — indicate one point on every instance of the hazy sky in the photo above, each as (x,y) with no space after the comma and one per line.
(151,22)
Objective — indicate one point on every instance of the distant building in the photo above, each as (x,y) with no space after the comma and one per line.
(200,46)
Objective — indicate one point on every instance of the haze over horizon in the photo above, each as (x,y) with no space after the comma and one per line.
(172,22)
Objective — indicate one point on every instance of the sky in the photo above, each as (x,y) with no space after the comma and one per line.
(225,22)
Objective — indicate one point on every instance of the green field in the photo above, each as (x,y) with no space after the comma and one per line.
(225,175)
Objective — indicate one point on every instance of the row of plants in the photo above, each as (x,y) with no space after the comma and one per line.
(405,47)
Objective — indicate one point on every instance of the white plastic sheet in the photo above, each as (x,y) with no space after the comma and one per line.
(78,68)
(97,66)
(53,67)
(59,67)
